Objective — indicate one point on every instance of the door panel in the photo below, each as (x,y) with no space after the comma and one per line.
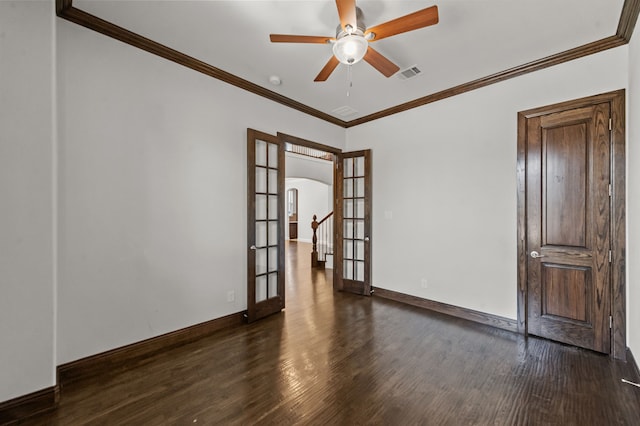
(265,225)
(352,214)
(568,237)
(564,183)
(566,292)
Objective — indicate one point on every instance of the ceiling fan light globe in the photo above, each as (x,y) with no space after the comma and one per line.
(350,49)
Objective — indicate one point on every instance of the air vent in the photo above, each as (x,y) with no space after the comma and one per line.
(344,111)
(410,72)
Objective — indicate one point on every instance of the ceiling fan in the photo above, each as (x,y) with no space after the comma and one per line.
(351,43)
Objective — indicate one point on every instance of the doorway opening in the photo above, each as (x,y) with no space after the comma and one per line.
(266,214)
(349,238)
(310,200)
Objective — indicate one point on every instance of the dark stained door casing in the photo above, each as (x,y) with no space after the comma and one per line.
(568,226)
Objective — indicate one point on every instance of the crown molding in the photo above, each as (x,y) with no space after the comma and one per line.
(549,61)
(66,11)
(626,25)
(628,19)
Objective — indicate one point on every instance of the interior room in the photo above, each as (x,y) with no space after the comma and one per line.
(124,156)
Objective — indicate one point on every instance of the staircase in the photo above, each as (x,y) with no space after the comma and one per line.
(322,252)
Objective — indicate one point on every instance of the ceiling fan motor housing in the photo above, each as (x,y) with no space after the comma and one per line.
(361,27)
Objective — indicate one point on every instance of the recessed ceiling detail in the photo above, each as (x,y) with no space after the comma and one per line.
(344,111)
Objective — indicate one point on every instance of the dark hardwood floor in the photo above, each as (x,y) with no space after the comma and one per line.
(336,358)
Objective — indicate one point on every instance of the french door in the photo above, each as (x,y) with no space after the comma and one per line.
(265,225)
(352,215)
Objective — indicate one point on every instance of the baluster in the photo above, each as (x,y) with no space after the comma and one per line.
(325,241)
(331,236)
(314,252)
(322,241)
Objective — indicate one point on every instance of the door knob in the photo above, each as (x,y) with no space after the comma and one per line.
(366,239)
(536,255)
(253,247)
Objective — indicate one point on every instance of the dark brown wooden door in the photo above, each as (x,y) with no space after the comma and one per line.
(352,215)
(293,230)
(265,225)
(568,226)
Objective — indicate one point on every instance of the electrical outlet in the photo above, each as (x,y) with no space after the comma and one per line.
(424,283)
(231,296)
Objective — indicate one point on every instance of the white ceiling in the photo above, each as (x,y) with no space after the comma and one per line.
(474,38)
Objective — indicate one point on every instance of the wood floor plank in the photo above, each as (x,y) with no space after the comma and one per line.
(338,358)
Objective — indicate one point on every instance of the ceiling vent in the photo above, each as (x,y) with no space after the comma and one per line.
(408,73)
(344,111)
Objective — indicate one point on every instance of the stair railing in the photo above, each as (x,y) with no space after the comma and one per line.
(322,240)
(308,152)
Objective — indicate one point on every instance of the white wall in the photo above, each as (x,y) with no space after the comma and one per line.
(444,184)
(633,197)
(299,166)
(152,192)
(27,132)
(317,184)
(313,198)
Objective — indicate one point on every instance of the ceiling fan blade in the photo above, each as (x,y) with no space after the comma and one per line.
(413,21)
(328,69)
(347,13)
(380,63)
(287,38)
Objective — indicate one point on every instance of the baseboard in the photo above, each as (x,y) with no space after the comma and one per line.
(120,357)
(301,240)
(633,367)
(17,409)
(454,311)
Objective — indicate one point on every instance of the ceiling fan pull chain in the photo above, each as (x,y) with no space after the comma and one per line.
(349,80)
